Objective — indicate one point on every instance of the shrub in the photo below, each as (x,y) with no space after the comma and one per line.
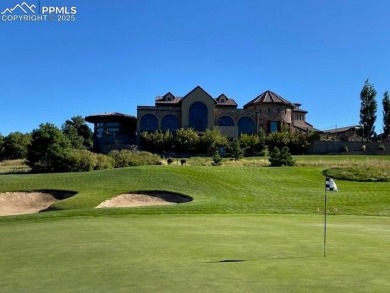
(295,141)
(103,162)
(217,159)
(157,141)
(281,158)
(236,150)
(126,158)
(80,160)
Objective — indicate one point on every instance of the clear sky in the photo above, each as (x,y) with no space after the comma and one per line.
(119,54)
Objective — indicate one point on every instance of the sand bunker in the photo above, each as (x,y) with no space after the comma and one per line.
(144,199)
(18,203)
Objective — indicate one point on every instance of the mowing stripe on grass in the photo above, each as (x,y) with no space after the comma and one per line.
(195,253)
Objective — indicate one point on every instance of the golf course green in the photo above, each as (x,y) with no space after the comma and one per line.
(247,229)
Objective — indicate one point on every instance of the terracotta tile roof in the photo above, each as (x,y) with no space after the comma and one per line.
(268,97)
(160,100)
(168,98)
(223,100)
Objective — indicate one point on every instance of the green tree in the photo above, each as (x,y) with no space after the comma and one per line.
(262,136)
(48,150)
(78,132)
(157,141)
(15,146)
(1,146)
(368,109)
(212,140)
(251,143)
(279,158)
(278,139)
(386,114)
(186,140)
(236,150)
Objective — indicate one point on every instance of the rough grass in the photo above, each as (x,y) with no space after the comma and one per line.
(14,167)
(196,253)
(377,174)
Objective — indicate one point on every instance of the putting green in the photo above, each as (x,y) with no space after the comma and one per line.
(195,253)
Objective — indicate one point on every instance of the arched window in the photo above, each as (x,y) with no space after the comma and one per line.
(246,125)
(170,122)
(198,116)
(148,123)
(225,121)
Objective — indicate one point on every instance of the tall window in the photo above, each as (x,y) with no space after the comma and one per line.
(225,121)
(273,126)
(246,125)
(198,116)
(148,123)
(170,122)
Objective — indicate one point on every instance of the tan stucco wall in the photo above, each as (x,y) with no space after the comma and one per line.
(197,96)
(229,131)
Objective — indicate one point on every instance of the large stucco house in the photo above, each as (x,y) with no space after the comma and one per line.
(199,110)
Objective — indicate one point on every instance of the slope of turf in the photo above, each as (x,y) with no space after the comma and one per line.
(195,253)
(236,190)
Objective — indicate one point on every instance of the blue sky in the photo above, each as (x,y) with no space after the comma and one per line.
(120,54)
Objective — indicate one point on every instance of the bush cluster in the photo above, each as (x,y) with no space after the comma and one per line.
(212,140)
(127,158)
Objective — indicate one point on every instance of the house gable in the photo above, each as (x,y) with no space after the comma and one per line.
(197,95)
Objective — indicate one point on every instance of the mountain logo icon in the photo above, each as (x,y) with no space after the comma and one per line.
(24,7)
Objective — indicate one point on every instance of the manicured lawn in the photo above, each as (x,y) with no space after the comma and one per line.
(215,190)
(195,253)
(248,229)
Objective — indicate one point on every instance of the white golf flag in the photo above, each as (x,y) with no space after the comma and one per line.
(330,185)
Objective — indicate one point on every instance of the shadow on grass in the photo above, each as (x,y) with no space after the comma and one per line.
(263,258)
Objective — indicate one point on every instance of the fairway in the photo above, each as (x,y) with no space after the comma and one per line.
(195,253)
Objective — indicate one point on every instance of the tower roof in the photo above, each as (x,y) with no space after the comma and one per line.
(268,97)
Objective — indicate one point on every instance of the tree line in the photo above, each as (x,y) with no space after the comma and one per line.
(69,149)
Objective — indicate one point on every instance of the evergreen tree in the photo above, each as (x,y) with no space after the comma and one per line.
(1,146)
(368,109)
(48,150)
(236,150)
(282,157)
(386,114)
(78,133)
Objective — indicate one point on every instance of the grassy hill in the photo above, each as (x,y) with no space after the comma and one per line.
(228,189)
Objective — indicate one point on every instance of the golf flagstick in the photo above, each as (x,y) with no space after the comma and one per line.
(330,185)
(325,202)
